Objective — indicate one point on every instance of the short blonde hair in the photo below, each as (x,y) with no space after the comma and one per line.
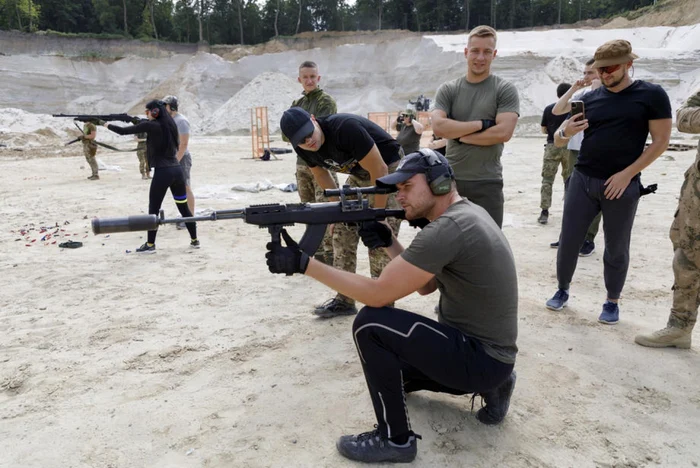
(483,31)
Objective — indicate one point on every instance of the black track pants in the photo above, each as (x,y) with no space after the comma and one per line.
(174,179)
(402,350)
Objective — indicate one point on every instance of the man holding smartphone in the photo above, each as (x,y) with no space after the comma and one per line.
(619,116)
(588,83)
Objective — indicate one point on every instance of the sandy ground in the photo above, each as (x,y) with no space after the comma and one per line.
(204,359)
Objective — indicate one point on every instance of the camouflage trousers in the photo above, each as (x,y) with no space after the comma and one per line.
(346,238)
(685,236)
(554,156)
(143,162)
(311,192)
(90,152)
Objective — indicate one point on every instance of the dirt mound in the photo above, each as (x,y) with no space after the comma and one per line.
(189,83)
(273,90)
(664,13)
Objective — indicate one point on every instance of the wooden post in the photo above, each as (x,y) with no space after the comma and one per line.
(259,132)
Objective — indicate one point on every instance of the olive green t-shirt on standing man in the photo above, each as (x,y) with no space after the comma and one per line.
(464,101)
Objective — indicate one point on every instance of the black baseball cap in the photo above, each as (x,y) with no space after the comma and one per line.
(421,162)
(296,125)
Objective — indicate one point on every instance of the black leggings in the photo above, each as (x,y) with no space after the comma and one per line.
(163,178)
(403,352)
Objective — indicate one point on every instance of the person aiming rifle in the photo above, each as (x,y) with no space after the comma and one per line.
(162,141)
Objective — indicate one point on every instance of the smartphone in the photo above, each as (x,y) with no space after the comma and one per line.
(578,108)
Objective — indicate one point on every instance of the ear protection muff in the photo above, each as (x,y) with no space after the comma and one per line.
(438,174)
(155,112)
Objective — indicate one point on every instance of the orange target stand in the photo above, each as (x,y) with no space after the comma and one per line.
(260,132)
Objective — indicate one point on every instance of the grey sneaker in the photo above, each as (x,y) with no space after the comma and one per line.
(335,307)
(497,402)
(559,300)
(372,447)
(146,249)
(180,226)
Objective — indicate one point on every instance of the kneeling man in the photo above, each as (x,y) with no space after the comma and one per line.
(462,253)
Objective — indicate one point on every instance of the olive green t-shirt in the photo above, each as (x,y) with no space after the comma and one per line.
(408,139)
(465,102)
(475,272)
(88,129)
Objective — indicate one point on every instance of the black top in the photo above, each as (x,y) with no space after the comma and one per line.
(348,139)
(155,145)
(618,125)
(551,121)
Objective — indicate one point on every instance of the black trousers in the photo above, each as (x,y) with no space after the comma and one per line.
(402,351)
(172,178)
(488,194)
(585,198)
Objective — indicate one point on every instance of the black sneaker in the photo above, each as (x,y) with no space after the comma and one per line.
(544,217)
(145,248)
(497,402)
(554,245)
(194,243)
(335,307)
(587,249)
(372,447)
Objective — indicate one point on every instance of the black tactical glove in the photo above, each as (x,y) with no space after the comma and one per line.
(136,120)
(486,124)
(287,260)
(418,222)
(375,234)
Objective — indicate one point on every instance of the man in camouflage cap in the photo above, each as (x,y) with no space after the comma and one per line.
(686,247)
(617,119)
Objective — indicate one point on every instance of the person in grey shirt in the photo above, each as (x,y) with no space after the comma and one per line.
(410,131)
(471,348)
(183,153)
(478,113)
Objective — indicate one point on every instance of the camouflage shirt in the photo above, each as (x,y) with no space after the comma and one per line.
(317,103)
(88,129)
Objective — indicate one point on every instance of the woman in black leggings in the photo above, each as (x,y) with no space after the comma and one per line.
(162,144)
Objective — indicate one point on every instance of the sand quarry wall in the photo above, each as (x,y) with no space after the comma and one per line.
(380,75)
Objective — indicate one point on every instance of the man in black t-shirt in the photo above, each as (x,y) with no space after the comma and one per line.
(618,117)
(553,156)
(352,145)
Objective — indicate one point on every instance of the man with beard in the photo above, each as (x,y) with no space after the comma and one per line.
(470,349)
(618,117)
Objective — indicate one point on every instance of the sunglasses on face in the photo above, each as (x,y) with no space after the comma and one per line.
(610,69)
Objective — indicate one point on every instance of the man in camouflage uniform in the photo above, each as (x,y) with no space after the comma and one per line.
(316,102)
(685,236)
(141,153)
(90,148)
(553,156)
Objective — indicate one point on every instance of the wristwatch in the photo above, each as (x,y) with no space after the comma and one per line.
(562,135)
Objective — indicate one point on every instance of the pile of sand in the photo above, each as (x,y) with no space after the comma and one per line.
(564,69)
(273,90)
(19,129)
(190,84)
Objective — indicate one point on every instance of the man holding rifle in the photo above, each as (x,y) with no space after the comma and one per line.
(470,349)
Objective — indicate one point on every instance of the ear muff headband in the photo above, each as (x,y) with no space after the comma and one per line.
(438,174)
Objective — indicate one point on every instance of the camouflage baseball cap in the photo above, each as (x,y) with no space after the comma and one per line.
(613,52)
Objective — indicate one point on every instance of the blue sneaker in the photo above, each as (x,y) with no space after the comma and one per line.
(610,314)
(559,300)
